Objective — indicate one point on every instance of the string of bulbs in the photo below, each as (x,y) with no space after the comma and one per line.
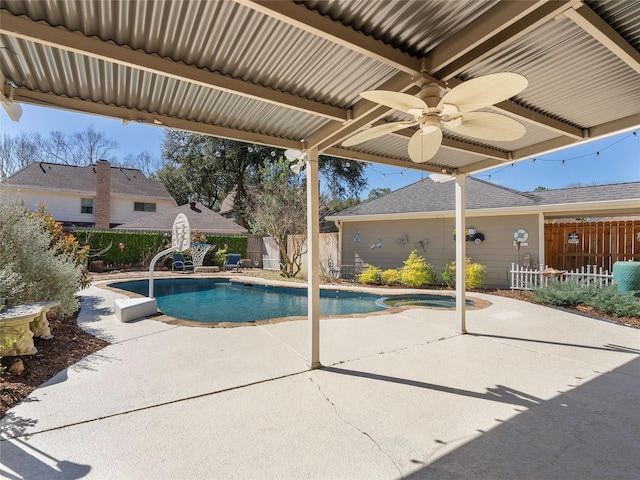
(561,161)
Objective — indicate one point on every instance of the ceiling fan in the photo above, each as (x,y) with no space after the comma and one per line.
(455,111)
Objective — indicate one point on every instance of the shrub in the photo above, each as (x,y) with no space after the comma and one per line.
(476,274)
(417,271)
(610,301)
(39,272)
(370,275)
(566,294)
(140,247)
(391,276)
(606,299)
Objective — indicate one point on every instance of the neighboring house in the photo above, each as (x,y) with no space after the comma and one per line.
(200,218)
(383,231)
(97,195)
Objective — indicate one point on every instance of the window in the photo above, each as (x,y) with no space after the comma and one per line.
(86,205)
(144,207)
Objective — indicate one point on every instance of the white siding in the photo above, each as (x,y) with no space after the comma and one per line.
(66,207)
(63,206)
(122,211)
(496,252)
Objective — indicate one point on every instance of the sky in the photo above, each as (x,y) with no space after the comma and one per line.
(615,159)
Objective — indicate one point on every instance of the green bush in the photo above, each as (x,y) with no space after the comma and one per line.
(391,276)
(139,247)
(476,274)
(565,294)
(136,246)
(606,299)
(370,275)
(32,269)
(610,301)
(417,271)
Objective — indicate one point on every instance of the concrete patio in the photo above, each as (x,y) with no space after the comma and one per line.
(531,392)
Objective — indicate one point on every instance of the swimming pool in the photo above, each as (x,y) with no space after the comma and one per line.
(215,300)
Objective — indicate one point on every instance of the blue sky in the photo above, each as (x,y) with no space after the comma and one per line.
(618,160)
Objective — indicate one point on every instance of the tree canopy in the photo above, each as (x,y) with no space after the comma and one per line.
(206,169)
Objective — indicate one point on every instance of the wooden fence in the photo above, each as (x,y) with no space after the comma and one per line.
(571,246)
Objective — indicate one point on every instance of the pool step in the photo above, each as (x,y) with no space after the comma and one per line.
(129,309)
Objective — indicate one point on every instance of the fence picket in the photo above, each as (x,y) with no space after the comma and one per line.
(524,278)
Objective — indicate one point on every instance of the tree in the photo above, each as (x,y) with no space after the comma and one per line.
(378,192)
(279,210)
(78,148)
(18,151)
(31,269)
(212,167)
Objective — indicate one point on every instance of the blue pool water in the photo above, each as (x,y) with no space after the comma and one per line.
(426,300)
(221,300)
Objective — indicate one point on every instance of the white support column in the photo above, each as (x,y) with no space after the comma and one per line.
(461,253)
(313,257)
(541,252)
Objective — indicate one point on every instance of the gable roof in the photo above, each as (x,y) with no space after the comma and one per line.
(200,218)
(427,196)
(615,191)
(55,177)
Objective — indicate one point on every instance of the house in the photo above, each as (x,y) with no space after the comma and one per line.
(97,195)
(504,226)
(200,218)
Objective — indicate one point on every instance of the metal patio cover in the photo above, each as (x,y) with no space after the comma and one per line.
(288,74)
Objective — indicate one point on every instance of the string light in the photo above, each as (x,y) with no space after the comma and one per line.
(563,161)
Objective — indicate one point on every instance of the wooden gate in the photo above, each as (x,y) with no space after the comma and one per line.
(570,246)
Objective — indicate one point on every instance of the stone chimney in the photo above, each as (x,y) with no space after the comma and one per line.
(103,194)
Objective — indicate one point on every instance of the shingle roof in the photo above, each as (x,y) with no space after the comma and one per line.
(128,182)
(428,196)
(200,218)
(616,191)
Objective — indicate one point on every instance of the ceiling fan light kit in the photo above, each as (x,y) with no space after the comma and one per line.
(454,110)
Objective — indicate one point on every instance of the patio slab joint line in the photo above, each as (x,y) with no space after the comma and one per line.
(351,425)
(149,407)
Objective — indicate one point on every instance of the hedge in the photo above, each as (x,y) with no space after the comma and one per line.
(139,248)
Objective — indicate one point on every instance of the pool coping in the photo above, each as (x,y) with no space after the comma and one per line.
(383,292)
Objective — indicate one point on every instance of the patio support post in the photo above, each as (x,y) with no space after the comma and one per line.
(460,252)
(313,257)
(541,245)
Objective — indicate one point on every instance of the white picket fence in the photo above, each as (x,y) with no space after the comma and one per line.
(524,278)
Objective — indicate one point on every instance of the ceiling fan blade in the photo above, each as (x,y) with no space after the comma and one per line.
(424,147)
(399,101)
(485,91)
(375,132)
(489,126)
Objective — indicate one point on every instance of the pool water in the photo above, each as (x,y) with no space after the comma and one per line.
(220,300)
(426,300)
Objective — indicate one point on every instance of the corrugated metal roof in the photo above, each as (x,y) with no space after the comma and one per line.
(561,62)
(414,27)
(572,77)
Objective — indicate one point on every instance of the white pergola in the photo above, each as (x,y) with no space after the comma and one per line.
(288,74)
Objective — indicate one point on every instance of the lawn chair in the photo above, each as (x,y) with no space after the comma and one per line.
(232,261)
(179,263)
